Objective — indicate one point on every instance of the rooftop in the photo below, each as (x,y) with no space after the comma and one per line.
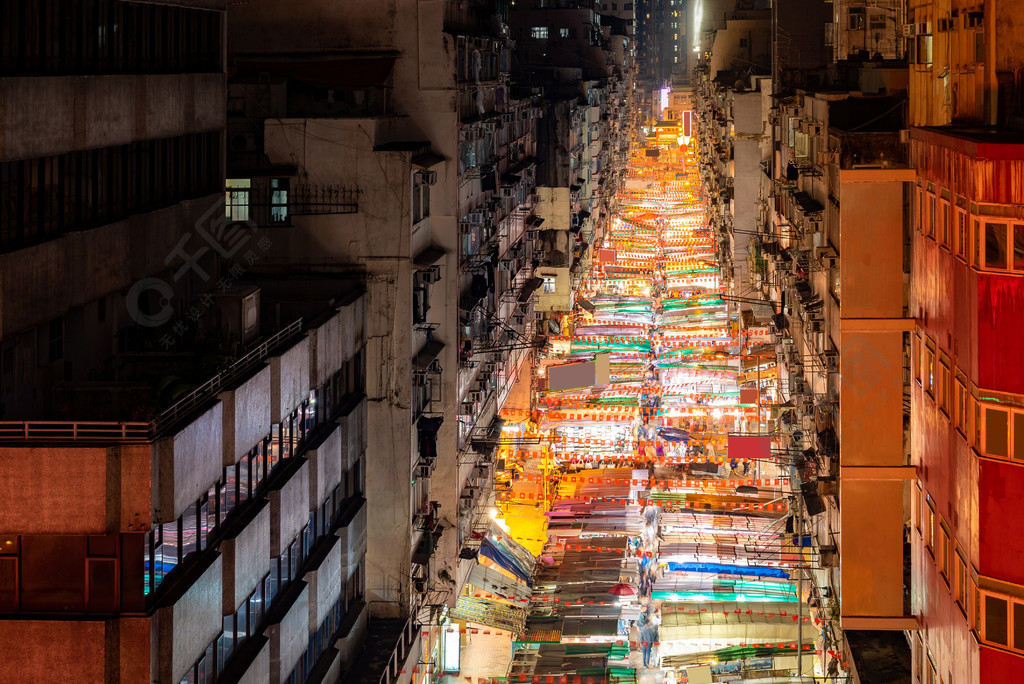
(166,376)
(881,657)
(979,142)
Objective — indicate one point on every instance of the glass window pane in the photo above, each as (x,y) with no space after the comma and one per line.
(189,531)
(1018,247)
(977,243)
(1018,435)
(241,624)
(275,443)
(995,620)
(230,499)
(995,245)
(243,480)
(166,556)
(211,508)
(256,468)
(226,645)
(1018,626)
(996,425)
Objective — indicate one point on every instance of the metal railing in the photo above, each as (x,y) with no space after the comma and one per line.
(401,651)
(187,404)
(45,430)
(39,430)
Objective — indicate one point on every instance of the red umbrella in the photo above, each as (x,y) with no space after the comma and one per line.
(623,589)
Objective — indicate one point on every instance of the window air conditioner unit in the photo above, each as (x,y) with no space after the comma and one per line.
(973,19)
(824,252)
(909,30)
(428,177)
(946,24)
(924,28)
(431,275)
(239,310)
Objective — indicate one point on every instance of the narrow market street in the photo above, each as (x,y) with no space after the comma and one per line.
(655,500)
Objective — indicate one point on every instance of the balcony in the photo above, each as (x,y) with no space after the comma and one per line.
(269,202)
(389,644)
(184,409)
(475,18)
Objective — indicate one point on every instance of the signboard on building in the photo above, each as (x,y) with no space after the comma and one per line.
(749,446)
(569,376)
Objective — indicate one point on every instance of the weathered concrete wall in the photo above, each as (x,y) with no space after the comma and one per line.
(246,560)
(187,464)
(289,380)
(101,111)
(190,625)
(247,415)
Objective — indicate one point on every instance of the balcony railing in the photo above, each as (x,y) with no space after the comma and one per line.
(43,431)
(186,407)
(405,642)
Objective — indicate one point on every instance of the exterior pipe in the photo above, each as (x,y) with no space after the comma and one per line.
(991,82)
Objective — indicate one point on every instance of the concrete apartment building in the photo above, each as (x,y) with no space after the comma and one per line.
(224,540)
(812,181)
(967,393)
(582,55)
(409,107)
(182,450)
(906,315)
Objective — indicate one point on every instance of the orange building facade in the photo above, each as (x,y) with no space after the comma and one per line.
(967,295)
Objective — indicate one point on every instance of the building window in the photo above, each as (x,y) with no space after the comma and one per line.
(944,552)
(929,525)
(549,284)
(962,233)
(917,356)
(995,245)
(539,32)
(928,368)
(944,223)
(87,37)
(45,197)
(924,50)
(961,582)
(279,200)
(420,198)
(931,216)
(961,408)
(942,391)
(857,19)
(236,198)
(995,620)
(997,427)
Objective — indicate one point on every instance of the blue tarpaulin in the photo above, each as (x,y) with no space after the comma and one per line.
(489,550)
(752,570)
(673,434)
